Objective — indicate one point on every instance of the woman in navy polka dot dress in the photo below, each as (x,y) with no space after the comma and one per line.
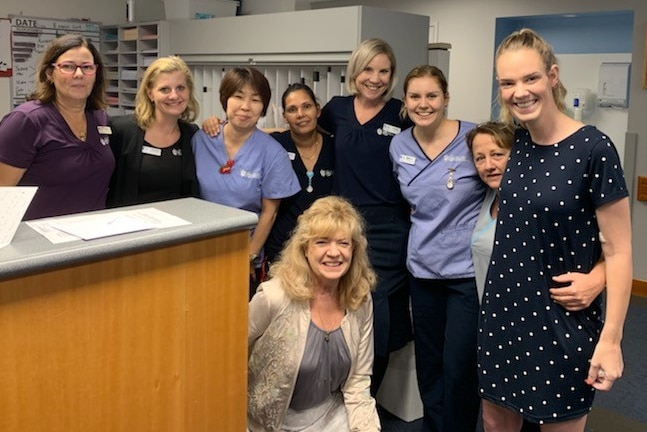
(563,203)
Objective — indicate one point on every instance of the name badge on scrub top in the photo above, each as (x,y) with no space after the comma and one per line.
(406,159)
(153,151)
(388,130)
(104,130)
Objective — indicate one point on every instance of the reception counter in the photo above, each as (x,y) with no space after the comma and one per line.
(143,331)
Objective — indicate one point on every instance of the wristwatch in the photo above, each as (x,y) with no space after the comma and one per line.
(252,257)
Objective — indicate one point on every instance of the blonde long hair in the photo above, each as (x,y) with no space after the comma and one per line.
(526,38)
(326,216)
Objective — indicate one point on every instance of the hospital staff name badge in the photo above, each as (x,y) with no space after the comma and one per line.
(153,151)
(406,159)
(388,130)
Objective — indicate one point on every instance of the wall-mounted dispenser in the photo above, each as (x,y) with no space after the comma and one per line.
(613,86)
(581,102)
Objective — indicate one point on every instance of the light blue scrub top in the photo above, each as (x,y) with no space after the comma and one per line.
(261,169)
(483,241)
(445,196)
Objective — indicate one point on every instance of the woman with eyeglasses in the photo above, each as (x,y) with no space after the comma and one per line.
(58,139)
(244,167)
(152,147)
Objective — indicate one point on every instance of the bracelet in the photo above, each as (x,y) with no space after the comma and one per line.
(252,257)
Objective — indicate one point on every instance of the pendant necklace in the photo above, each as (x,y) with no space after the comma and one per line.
(324,327)
(310,175)
(450,179)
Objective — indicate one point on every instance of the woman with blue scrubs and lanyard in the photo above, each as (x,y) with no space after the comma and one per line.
(434,167)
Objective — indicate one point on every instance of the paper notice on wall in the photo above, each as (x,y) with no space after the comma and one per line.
(5,48)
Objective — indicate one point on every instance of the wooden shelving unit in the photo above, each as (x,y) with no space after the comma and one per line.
(128,49)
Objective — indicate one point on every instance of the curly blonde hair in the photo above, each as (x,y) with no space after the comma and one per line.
(326,216)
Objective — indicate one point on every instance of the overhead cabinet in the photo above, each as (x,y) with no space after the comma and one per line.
(311,36)
(311,46)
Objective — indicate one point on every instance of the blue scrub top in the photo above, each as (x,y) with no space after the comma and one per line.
(261,169)
(443,211)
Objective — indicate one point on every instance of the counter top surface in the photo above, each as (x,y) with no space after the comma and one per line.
(30,252)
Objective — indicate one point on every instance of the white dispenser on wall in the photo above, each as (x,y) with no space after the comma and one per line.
(613,86)
(581,102)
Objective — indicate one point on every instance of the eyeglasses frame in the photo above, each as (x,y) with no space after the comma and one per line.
(77,66)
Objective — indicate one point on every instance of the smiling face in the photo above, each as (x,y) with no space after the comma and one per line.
(373,81)
(489,158)
(301,112)
(169,94)
(525,86)
(74,88)
(244,108)
(425,101)
(329,257)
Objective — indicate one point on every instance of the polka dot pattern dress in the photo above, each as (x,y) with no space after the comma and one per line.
(533,354)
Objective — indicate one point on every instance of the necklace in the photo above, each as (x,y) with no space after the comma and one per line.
(78,125)
(324,327)
(315,149)
(494,209)
(310,175)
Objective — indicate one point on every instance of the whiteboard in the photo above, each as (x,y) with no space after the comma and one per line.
(29,39)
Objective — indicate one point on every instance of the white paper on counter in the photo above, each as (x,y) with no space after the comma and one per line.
(88,227)
(14,201)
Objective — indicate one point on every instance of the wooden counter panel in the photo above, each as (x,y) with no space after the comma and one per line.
(154,341)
